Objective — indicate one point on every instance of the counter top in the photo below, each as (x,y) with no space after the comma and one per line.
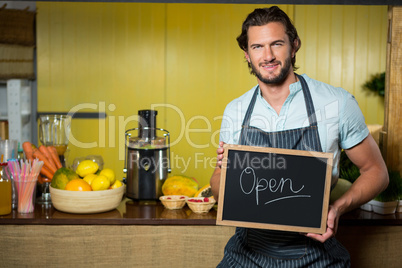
(131,212)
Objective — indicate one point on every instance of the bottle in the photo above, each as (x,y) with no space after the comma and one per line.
(5,191)
(20,152)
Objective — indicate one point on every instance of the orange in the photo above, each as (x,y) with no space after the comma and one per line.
(78,185)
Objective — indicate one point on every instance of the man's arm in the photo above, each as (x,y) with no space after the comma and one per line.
(373,177)
(373,180)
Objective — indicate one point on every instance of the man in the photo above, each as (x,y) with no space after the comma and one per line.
(289,111)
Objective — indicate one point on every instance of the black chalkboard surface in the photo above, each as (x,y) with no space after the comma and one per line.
(276,189)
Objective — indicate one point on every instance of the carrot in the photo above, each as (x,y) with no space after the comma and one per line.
(28,150)
(53,152)
(45,179)
(48,174)
(46,163)
(45,152)
(40,179)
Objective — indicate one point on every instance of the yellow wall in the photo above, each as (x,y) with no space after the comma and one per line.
(183,60)
(344,46)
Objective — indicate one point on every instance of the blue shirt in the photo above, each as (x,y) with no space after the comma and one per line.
(340,121)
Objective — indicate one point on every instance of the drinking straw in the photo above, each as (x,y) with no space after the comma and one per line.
(33,176)
(25,175)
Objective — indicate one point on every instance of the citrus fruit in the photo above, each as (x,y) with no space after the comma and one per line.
(89,178)
(108,173)
(62,177)
(78,185)
(205,191)
(86,167)
(116,184)
(100,183)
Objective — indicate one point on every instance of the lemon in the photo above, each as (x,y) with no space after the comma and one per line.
(116,184)
(86,167)
(108,173)
(89,178)
(100,183)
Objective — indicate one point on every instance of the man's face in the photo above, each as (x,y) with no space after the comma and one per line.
(269,52)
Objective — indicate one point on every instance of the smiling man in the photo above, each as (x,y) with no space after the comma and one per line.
(291,111)
(272,51)
(270,54)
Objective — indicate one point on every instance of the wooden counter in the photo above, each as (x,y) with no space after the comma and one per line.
(139,234)
(131,212)
(127,213)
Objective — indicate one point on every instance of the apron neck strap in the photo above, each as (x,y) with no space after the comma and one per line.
(247,117)
(307,100)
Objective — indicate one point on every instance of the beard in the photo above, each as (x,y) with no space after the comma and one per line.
(273,80)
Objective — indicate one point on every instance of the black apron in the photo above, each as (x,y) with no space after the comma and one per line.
(269,248)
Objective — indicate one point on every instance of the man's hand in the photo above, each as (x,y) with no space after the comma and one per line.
(216,176)
(220,151)
(332,226)
(373,179)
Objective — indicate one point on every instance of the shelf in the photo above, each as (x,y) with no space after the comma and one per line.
(15,107)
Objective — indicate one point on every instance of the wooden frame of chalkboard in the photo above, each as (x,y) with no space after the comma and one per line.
(277,189)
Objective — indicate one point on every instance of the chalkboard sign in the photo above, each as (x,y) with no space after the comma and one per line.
(276,189)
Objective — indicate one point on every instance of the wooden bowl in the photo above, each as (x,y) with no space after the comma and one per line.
(200,207)
(86,202)
(173,201)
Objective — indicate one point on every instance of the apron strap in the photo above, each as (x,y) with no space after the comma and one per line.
(307,100)
(247,117)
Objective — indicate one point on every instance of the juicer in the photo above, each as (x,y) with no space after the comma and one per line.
(147,161)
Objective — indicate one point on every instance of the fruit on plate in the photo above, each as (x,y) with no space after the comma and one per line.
(200,204)
(109,173)
(341,187)
(199,200)
(180,185)
(205,191)
(78,185)
(89,178)
(86,167)
(100,183)
(93,179)
(62,177)
(116,184)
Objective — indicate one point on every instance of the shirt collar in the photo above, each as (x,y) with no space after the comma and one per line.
(293,89)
